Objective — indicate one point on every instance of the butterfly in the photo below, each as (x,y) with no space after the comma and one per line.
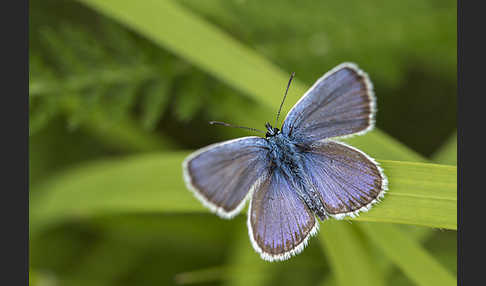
(299,174)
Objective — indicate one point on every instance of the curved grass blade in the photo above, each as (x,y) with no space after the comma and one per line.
(420,194)
(447,153)
(428,191)
(409,256)
(346,250)
(168,24)
(245,267)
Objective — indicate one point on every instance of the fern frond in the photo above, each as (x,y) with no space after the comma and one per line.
(75,68)
(78,71)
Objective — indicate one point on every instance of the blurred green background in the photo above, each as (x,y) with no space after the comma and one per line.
(120,91)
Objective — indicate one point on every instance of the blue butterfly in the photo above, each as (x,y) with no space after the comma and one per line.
(298,174)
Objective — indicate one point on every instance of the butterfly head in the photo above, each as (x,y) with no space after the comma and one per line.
(271,131)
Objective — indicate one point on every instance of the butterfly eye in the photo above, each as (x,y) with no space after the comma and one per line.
(270,130)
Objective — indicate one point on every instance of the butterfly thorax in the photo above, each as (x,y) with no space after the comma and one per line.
(287,156)
(284,152)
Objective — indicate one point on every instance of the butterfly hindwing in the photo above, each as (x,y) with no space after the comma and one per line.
(347,180)
(340,103)
(279,222)
(223,174)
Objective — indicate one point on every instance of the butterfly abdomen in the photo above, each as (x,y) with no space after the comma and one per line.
(287,156)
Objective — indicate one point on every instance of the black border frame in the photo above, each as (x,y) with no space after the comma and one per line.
(471,49)
(15,176)
(15,118)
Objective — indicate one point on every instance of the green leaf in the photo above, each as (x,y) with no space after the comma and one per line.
(154,104)
(346,250)
(447,153)
(324,31)
(417,234)
(409,256)
(245,267)
(420,194)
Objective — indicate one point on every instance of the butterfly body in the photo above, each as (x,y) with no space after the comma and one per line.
(298,173)
(288,157)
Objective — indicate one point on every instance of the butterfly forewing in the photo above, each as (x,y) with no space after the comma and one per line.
(222,175)
(347,180)
(279,222)
(340,103)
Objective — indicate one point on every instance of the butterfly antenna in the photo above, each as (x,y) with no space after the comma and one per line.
(235,126)
(285,96)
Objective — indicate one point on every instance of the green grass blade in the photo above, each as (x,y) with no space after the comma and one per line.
(245,267)
(346,252)
(420,194)
(427,192)
(447,153)
(168,24)
(409,256)
(380,145)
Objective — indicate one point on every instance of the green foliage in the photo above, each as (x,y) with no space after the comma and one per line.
(405,253)
(407,47)
(74,72)
(80,72)
(112,78)
(347,249)
(326,31)
(420,194)
(447,154)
